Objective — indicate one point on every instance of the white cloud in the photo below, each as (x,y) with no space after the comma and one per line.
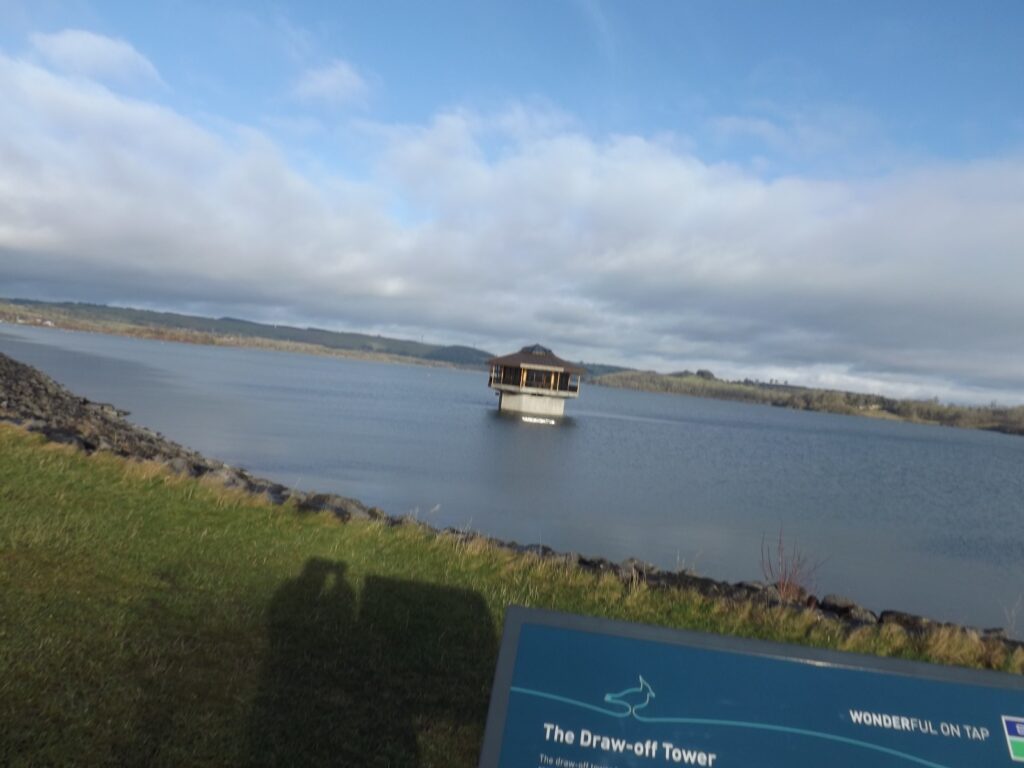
(77,51)
(516,228)
(337,84)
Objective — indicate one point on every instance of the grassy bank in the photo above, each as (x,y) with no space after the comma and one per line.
(151,619)
(996,418)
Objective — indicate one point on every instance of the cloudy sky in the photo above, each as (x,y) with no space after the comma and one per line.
(827,193)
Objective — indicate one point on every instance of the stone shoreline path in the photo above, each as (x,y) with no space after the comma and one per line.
(33,400)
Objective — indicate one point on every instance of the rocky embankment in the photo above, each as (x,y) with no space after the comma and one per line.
(35,401)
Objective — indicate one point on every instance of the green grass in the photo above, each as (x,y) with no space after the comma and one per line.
(147,619)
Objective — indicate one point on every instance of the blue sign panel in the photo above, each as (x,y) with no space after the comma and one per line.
(573,692)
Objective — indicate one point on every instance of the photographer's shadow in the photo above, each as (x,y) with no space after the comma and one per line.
(363,684)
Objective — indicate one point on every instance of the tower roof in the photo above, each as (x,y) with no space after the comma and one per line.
(537,356)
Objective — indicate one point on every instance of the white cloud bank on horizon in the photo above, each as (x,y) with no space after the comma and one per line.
(625,249)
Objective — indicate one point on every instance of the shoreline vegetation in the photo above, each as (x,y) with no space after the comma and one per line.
(232,332)
(164,608)
(995,418)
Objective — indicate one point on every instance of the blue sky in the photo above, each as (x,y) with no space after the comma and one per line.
(828,193)
(899,82)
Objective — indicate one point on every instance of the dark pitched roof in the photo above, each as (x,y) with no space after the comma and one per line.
(536,355)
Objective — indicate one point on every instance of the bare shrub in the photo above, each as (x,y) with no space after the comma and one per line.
(1011,614)
(787,568)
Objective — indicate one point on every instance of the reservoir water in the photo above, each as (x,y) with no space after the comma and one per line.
(922,519)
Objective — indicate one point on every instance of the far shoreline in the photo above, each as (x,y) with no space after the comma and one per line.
(183,336)
(1008,420)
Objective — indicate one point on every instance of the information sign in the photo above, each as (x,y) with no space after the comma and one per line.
(576,692)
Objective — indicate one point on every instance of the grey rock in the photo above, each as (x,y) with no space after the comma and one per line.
(862,615)
(752,586)
(632,568)
(356,510)
(837,604)
(228,477)
(178,466)
(315,502)
(275,493)
(541,550)
(848,609)
(293,495)
(341,506)
(596,564)
(771,594)
(908,621)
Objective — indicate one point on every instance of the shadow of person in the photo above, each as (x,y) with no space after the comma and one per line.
(307,675)
(404,681)
(435,649)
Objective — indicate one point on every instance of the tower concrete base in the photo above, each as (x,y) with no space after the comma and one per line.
(537,405)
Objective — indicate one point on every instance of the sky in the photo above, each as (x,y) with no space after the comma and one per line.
(829,194)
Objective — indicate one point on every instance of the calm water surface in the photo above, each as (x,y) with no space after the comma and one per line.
(923,519)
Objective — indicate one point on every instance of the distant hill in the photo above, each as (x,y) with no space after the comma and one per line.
(102,316)
(457,355)
(115,319)
(599,369)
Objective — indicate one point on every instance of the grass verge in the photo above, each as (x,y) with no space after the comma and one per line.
(151,619)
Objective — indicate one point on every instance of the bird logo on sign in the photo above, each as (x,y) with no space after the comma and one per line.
(633,699)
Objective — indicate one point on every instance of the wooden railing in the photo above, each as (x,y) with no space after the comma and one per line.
(555,384)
